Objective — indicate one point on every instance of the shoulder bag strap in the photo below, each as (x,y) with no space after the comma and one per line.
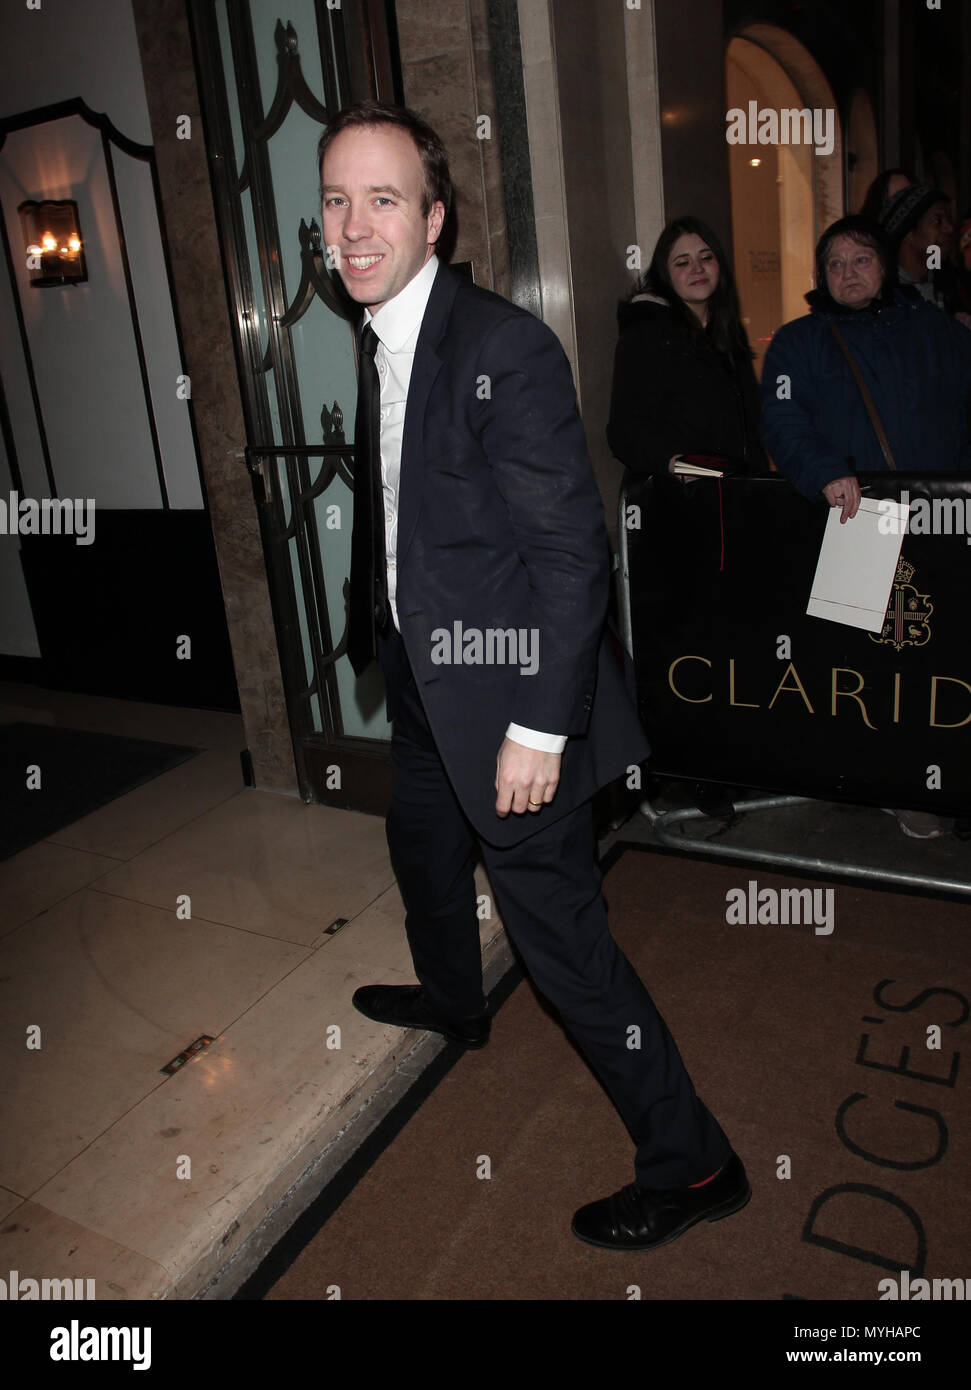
(867,399)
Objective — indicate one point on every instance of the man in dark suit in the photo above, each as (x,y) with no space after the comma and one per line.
(479,578)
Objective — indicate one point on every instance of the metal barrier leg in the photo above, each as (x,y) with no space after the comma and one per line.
(662,823)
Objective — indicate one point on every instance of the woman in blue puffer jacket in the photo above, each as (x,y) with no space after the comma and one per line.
(914,359)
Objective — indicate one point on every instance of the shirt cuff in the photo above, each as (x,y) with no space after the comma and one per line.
(532,738)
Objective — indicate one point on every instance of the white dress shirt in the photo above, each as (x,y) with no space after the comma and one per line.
(396,325)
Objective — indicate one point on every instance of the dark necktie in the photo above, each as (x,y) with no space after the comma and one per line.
(368,607)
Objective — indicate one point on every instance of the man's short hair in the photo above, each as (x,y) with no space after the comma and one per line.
(434,160)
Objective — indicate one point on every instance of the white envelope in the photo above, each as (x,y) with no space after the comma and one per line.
(857,564)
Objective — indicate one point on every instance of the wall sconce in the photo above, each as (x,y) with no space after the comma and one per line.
(52,237)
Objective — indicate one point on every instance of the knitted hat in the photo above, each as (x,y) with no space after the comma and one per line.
(906,208)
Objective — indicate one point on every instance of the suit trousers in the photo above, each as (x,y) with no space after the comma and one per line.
(548,891)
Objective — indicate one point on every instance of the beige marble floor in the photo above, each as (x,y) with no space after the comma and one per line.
(110,1169)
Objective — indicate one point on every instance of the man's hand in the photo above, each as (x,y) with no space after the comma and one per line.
(845,493)
(526,779)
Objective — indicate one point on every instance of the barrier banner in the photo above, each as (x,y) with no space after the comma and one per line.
(736,684)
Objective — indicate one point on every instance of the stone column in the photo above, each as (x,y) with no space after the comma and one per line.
(201,308)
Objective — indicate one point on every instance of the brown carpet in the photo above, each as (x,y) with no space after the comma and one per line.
(771,1023)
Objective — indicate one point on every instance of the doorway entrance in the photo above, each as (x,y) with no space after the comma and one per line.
(268,91)
(783,195)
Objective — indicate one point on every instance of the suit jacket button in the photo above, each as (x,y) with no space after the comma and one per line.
(588,702)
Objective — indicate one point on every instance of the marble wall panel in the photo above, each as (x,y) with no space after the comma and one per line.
(548,178)
(447,78)
(200,297)
(591,74)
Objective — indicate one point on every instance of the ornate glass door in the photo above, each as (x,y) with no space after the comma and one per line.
(268,89)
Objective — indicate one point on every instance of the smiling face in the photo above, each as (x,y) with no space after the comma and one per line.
(693,268)
(373,186)
(854,275)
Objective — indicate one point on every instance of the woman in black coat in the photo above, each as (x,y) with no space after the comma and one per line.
(683,378)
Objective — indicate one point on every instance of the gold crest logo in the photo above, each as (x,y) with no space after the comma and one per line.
(906,623)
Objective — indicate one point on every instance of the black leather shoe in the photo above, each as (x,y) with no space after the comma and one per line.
(404,1006)
(639,1218)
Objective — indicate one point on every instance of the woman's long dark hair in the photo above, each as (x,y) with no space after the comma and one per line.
(724,328)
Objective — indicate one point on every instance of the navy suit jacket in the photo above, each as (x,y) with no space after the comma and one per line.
(502,558)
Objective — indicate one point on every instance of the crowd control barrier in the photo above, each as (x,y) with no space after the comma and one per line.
(737,685)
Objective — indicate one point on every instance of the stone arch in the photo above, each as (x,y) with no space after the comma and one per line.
(813,87)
